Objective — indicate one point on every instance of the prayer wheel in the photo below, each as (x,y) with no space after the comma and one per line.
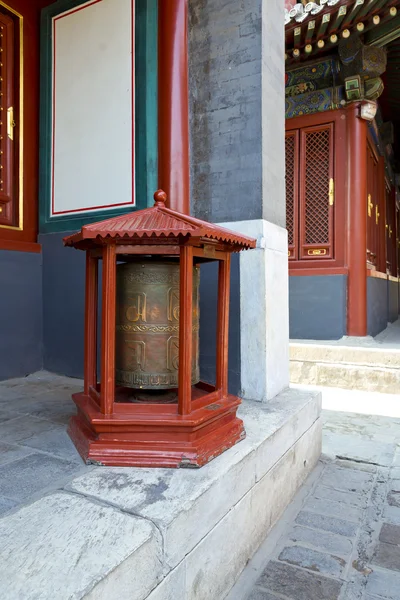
(147,325)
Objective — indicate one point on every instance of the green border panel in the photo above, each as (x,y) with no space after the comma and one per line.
(146,28)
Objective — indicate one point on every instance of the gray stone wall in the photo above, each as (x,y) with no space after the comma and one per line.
(225,109)
(237,109)
(273,111)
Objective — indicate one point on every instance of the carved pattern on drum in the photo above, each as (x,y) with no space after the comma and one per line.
(137,310)
(148,313)
(173,353)
(173,304)
(137,356)
(153,328)
(144,277)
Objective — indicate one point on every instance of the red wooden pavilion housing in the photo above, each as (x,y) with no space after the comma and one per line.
(202,423)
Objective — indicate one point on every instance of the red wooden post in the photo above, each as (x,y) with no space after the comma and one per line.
(173,107)
(185,330)
(224,284)
(108,330)
(382,249)
(357,228)
(90,375)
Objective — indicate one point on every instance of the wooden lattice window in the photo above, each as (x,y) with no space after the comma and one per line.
(292,169)
(310,192)
(8,114)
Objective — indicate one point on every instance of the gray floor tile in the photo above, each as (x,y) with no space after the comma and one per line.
(55,412)
(22,478)
(6,504)
(298,584)
(6,415)
(56,442)
(8,395)
(259,594)
(10,452)
(384,585)
(323,540)
(315,561)
(390,534)
(326,523)
(22,428)
(387,556)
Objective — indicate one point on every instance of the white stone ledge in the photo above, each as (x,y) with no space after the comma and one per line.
(66,547)
(124,530)
(268,235)
(214,565)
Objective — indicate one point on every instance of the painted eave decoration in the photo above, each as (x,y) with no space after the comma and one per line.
(156,222)
(315,27)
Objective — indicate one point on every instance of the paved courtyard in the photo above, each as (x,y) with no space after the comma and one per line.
(36,454)
(340,538)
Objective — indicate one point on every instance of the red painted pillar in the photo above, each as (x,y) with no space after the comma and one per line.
(185,331)
(224,282)
(357,224)
(91,322)
(382,220)
(107,394)
(173,103)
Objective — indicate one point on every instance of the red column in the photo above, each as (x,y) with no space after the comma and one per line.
(90,376)
(357,223)
(108,330)
(185,330)
(383,254)
(173,103)
(224,284)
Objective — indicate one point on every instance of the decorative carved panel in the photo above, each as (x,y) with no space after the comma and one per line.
(8,129)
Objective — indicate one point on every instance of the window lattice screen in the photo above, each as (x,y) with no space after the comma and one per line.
(317,172)
(290,186)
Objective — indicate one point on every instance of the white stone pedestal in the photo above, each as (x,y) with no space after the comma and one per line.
(264,310)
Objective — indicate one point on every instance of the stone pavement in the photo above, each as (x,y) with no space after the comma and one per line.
(75,531)
(340,538)
(36,454)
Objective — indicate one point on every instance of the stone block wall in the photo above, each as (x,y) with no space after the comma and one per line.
(225,109)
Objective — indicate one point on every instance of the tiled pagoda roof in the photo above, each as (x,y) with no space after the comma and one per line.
(157,222)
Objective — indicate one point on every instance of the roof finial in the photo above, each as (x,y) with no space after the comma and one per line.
(160,198)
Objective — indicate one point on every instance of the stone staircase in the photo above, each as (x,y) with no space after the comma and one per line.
(356,365)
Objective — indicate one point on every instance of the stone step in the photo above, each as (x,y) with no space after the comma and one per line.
(348,367)
(157,534)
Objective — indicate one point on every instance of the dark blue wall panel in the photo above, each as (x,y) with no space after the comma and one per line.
(393,300)
(20,313)
(63,306)
(317,307)
(208,319)
(377,305)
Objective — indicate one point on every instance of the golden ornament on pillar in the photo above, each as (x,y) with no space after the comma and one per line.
(147,325)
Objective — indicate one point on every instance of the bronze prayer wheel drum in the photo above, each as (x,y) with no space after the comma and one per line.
(147,325)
